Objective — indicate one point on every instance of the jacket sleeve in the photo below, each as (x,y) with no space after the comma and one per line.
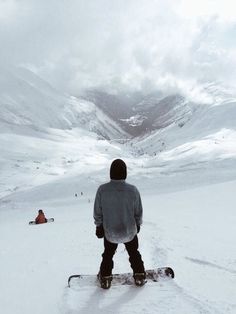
(138,210)
(97,211)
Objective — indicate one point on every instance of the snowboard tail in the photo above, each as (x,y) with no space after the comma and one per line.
(153,275)
(48,220)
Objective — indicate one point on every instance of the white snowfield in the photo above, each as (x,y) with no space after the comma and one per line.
(192,230)
(188,192)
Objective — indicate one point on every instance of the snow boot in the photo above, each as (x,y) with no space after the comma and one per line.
(140,279)
(105,281)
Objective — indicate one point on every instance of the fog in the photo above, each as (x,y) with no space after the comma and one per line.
(121,45)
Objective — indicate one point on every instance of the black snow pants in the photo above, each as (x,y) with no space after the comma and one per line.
(135,257)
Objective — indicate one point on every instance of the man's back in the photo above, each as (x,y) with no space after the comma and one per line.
(118,206)
(118,216)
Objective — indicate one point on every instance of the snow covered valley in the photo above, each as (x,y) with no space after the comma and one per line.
(188,189)
(189,224)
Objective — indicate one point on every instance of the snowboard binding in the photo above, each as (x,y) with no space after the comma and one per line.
(140,279)
(105,281)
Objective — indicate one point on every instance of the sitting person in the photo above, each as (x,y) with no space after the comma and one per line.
(40,219)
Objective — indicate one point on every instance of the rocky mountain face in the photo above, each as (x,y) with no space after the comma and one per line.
(139,115)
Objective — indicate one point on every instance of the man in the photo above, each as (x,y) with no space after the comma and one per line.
(40,219)
(118,216)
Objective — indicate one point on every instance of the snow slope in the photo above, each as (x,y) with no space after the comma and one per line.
(205,144)
(205,121)
(39,126)
(27,100)
(188,192)
(192,230)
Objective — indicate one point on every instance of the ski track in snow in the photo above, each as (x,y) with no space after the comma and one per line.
(206,263)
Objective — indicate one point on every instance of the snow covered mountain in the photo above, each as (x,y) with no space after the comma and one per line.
(215,122)
(163,128)
(27,100)
(140,114)
(44,133)
(51,152)
(157,113)
(160,113)
(196,135)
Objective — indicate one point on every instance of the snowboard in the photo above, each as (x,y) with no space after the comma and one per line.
(34,223)
(153,275)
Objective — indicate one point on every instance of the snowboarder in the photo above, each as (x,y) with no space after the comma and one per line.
(118,216)
(40,219)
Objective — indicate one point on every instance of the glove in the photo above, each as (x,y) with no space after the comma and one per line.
(138,228)
(100,231)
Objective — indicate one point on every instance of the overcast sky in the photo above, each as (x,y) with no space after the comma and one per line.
(121,44)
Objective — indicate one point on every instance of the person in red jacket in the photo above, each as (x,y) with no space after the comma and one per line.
(40,219)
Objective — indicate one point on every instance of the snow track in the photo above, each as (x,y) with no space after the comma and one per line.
(164,297)
(124,299)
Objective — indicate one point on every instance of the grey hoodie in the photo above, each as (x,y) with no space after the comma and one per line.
(118,207)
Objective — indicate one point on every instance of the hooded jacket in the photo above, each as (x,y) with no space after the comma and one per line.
(118,207)
(40,219)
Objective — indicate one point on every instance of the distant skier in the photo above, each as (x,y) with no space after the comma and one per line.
(40,219)
(118,216)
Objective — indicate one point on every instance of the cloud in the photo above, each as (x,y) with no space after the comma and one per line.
(135,44)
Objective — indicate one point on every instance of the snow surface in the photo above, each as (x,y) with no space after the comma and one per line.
(192,230)
(188,191)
